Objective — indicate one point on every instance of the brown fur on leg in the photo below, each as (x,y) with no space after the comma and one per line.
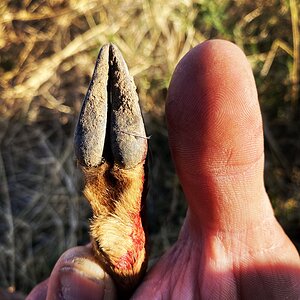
(117,230)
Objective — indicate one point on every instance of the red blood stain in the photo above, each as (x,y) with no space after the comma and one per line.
(137,236)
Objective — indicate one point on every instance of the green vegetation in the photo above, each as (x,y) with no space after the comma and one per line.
(47,54)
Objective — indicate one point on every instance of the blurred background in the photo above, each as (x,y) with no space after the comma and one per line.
(47,54)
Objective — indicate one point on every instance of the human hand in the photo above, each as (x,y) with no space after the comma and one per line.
(230,246)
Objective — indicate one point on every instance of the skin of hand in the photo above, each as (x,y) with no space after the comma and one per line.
(230,246)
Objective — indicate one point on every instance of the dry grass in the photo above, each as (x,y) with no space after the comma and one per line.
(48,49)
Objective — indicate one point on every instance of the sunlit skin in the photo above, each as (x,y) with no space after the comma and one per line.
(230,246)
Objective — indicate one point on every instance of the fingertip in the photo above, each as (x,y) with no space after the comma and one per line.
(77,275)
(212,110)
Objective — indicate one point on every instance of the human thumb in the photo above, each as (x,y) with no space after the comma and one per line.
(77,276)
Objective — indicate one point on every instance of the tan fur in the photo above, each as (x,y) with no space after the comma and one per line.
(115,195)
